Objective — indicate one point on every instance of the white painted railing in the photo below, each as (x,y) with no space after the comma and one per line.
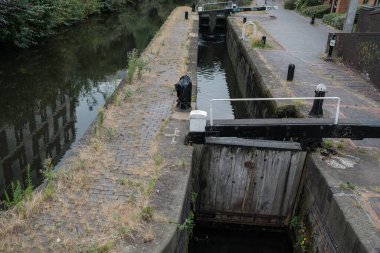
(278,99)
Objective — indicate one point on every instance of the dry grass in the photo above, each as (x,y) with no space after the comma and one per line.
(77,222)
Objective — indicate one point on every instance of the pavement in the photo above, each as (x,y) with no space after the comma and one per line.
(356,162)
(104,198)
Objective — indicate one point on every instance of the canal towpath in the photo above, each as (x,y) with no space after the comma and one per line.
(303,45)
(104,197)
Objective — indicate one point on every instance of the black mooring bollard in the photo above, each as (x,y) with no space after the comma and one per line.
(312,19)
(317,110)
(193,7)
(183,88)
(332,44)
(244,20)
(291,69)
(264,40)
(186,15)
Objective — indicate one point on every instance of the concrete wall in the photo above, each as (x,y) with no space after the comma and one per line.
(326,208)
(250,75)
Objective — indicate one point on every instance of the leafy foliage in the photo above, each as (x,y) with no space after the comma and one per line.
(318,10)
(23,23)
(335,20)
(290,4)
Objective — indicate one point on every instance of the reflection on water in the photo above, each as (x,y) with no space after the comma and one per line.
(216,79)
(50,95)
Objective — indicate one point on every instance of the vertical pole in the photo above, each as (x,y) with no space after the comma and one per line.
(291,69)
(349,23)
(264,40)
(332,45)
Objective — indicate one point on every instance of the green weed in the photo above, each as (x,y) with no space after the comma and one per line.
(147,213)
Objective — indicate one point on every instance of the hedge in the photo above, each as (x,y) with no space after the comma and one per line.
(335,20)
(290,4)
(319,10)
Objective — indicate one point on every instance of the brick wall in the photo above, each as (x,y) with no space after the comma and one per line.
(360,51)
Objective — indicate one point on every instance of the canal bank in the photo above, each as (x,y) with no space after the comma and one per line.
(122,188)
(338,211)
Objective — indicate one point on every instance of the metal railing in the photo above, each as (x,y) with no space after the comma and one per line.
(278,99)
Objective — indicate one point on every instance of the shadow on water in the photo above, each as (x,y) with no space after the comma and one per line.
(212,240)
(50,94)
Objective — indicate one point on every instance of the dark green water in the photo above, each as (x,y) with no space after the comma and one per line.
(212,240)
(49,95)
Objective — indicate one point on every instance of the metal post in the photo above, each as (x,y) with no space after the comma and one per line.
(317,110)
(332,45)
(193,7)
(264,40)
(291,70)
(186,15)
(312,19)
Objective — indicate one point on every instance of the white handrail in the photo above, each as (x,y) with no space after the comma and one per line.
(278,99)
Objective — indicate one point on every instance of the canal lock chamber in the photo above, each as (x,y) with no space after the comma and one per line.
(244,192)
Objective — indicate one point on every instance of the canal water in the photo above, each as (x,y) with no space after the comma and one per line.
(216,79)
(212,240)
(50,94)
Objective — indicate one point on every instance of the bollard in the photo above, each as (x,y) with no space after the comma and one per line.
(186,15)
(312,19)
(264,40)
(193,7)
(183,89)
(317,110)
(244,20)
(291,69)
(332,45)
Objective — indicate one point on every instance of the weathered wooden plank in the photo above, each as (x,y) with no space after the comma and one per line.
(249,165)
(258,144)
(224,180)
(207,171)
(239,181)
(294,177)
(282,181)
(273,170)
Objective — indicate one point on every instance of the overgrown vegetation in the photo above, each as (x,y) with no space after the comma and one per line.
(335,20)
(18,194)
(135,63)
(23,23)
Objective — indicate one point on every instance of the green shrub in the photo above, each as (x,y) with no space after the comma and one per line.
(290,4)
(319,10)
(335,20)
(24,22)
